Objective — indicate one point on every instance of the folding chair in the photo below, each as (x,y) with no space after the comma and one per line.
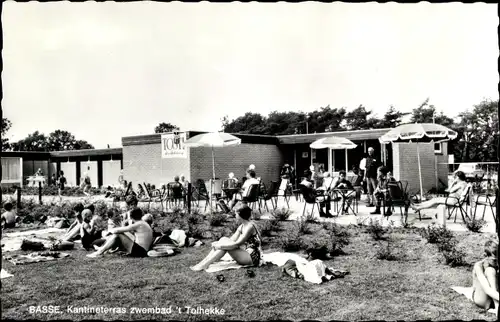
(270,195)
(286,188)
(460,204)
(310,197)
(252,196)
(399,198)
(490,200)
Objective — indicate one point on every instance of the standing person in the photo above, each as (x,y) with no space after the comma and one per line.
(371,166)
(120,178)
(60,184)
(86,184)
(53,180)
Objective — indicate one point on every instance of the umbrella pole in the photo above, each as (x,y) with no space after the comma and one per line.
(212,185)
(420,174)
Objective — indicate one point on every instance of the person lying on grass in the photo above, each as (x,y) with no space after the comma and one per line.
(9,216)
(455,192)
(484,278)
(136,239)
(244,246)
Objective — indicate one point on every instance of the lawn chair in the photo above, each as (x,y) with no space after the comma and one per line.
(490,200)
(284,185)
(399,198)
(311,198)
(460,204)
(270,195)
(252,196)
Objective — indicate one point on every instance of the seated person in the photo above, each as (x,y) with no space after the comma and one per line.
(456,190)
(307,188)
(328,182)
(184,182)
(74,229)
(89,229)
(131,203)
(484,278)
(380,192)
(244,246)
(39,173)
(136,239)
(343,184)
(245,189)
(9,216)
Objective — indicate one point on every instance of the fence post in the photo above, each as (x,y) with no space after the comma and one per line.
(40,192)
(18,191)
(189,198)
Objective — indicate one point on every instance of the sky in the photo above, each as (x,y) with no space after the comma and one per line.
(107,70)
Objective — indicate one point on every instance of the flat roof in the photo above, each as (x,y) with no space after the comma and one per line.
(354,135)
(86,152)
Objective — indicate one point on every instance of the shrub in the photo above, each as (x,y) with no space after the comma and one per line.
(436,234)
(290,241)
(385,253)
(317,246)
(376,230)
(281,214)
(217,219)
(194,219)
(269,226)
(454,257)
(195,231)
(310,218)
(475,225)
(303,226)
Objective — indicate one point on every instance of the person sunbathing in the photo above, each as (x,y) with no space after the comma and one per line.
(136,239)
(74,229)
(244,246)
(455,193)
(9,216)
(89,229)
(484,278)
(131,202)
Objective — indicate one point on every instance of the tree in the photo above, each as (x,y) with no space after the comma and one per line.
(326,119)
(6,124)
(392,118)
(478,133)
(357,118)
(165,128)
(59,140)
(250,123)
(426,113)
(34,142)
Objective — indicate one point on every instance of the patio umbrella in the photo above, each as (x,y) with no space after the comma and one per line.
(334,143)
(419,132)
(213,139)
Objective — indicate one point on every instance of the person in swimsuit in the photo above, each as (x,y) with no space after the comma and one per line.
(484,278)
(9,216)
(136,246)
(244,246)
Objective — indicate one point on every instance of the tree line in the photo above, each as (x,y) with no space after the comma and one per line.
(477,141)
(477,128)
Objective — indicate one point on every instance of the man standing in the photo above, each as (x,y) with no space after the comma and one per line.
(371,166)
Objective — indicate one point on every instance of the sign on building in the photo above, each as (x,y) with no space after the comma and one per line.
(172,145)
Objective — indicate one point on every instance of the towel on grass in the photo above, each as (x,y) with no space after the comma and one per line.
(5,274)
(36,257)
(225,263)
(13,241)
(467,292)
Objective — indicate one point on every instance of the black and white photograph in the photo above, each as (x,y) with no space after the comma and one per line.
(249,161)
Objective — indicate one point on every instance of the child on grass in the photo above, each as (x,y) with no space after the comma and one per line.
(9,216)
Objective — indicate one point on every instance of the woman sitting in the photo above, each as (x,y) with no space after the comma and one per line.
(136,239)
(484,278)
(74,228)
(455,192)
(244,246)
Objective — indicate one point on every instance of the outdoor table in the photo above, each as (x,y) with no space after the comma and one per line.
(345,194)
(34,180)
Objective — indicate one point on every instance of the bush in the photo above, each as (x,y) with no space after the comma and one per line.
(339,238)
(217,220)
(195,231)
(436,234)
(281,214)
(269,226)
(475,225)
(454,257)
(385,253)
(290,241)
(376,230)
(303,226)
(317,246)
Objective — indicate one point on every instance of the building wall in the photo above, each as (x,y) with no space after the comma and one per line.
(143,163)
(111,172)
(69,169)
(405,165)
(267,159)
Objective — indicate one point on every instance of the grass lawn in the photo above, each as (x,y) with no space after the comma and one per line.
(415,287)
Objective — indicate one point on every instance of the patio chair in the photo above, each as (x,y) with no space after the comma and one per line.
(461,204)
(311,198)
(287,189)
(490,200)
(252,196)
(270,195)
(399,197)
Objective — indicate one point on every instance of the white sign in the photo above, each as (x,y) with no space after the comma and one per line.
(172,145)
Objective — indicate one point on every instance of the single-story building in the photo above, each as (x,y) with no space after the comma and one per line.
(157,158)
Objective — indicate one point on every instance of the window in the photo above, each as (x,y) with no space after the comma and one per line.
(438,148)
